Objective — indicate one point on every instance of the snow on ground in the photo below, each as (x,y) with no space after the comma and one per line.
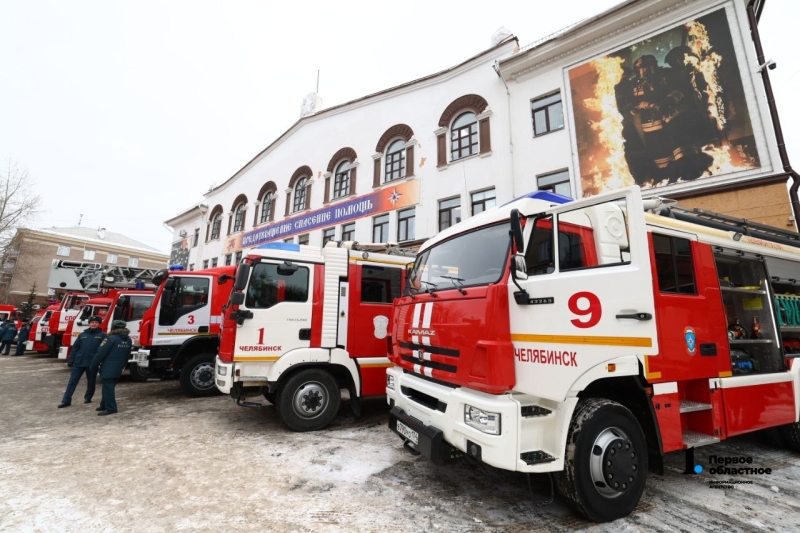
(166,462)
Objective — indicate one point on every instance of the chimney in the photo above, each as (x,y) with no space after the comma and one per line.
(101,233)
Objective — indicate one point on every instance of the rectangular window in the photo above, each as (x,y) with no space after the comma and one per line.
(557,182)
(380,228)
(205,264)
(267,287)
(238,257)
(133,261)
(349,232)
(196,237)
(380,285)
(449,213)
(481,201)
(63,250)
(88,255)
(228,259)
(289,240)
(111,259)
(213,262)
(328,235)
(132,307)
(674,264)
(548,114)
(303,239)
(189,293)
(191,267)
(405,225)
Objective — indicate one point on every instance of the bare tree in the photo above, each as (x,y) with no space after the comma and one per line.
(19,203)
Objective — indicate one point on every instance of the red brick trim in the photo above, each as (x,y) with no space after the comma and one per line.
(398,130)
(344,153)
(472,102)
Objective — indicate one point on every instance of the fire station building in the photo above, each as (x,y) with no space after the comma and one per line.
(664,94)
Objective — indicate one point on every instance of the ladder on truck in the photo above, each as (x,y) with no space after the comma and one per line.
(94,277)
(741,226)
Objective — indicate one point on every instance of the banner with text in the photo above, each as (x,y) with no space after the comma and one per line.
(389,199)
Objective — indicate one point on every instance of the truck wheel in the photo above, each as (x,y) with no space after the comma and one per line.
(309,400)
(790,436)
(606,461)
(197,376)
(271,397)
(138,374)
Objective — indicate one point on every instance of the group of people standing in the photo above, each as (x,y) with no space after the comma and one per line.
(95,352)
(8,332)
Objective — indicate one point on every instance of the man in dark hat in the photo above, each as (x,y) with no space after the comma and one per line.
(80,359)
(7,337)
(111,359)
(22,337)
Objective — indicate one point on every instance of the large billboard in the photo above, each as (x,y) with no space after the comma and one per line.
(666,110)
(179,254)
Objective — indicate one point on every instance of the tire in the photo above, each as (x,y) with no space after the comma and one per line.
(197,376)
(138,374)
(309,400)
(790,436)
(603,432)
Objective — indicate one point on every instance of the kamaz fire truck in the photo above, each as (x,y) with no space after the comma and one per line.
(595,339)
(81,280)
(34,337)
(304,323)
(40,329)
(116,304)
(180,331)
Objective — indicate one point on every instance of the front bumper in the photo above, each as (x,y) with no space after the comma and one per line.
(436,413)
(140,357)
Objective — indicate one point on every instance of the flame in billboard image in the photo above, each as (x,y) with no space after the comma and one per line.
(667,110)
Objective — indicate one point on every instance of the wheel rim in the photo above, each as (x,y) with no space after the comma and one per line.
(613,463)
(202,376)
(310,400)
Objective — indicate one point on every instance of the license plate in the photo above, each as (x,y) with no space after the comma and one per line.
(407,432)
(139,357)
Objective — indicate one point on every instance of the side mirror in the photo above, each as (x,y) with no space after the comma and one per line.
(118,312)
(287,268)
(516,231)
(242,275)
(169,284)
(166,297)
(237,298)
(520,267)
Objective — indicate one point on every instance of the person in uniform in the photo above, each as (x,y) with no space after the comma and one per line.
(111,359)
(22,338)
(7,337)
(80,359)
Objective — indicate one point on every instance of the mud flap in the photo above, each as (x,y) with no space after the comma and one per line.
(355,401)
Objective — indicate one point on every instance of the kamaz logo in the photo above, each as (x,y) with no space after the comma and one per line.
(423,332)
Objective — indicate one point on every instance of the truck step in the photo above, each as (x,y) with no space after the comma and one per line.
(537,457)
(688,406)
(530,411)
(693,439)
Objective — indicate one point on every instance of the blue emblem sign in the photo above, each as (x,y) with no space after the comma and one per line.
(691,340)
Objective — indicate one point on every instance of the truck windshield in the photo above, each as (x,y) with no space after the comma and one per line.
(474,258)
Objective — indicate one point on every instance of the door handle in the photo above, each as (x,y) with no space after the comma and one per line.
(636,316)
(304,334)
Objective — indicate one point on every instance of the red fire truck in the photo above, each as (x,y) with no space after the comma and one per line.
(34,343)
(305,322)
(597,338)
(115,304)
(180,331)
(81,280)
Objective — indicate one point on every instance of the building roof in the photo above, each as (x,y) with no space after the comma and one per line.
(363,99)
(110,238)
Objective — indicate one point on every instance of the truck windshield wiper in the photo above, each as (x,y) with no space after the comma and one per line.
(431,286)
(457,283)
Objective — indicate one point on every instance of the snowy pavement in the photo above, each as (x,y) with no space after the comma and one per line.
(166,462)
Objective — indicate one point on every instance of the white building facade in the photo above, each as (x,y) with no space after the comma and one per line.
(403,164)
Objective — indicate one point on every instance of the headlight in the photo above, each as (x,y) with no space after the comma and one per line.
(389,381)
(222,370)
(482,420)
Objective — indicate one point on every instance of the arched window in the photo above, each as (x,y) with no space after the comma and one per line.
(266,207)
(216,224)
(464,136)
(395,161)
(300,198)
(341,181)
(238,218)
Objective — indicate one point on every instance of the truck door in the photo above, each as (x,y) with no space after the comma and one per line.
(279,296)
(590,292)
(184,309)
(131,308)
(371,308)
